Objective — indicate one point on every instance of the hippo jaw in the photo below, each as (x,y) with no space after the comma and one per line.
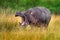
(24,22)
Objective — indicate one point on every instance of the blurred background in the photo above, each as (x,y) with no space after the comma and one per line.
(53,5)
(9,24)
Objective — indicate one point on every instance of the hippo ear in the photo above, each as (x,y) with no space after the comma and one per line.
(31,13)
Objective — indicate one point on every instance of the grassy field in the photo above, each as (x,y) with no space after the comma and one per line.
(10,30)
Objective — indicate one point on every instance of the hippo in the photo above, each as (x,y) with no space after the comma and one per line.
(35,16)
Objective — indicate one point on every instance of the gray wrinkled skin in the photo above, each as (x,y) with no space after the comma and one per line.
(35,16)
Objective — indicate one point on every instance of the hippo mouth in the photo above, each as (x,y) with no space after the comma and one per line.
(23,21)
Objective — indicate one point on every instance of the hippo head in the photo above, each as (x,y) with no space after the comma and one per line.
(19,14)
(24,18)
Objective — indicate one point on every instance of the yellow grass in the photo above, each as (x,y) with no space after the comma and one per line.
(10,29)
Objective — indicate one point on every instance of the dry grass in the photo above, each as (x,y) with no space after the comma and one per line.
(10,30)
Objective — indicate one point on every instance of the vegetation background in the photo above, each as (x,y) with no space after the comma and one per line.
(53,5)
(10,29)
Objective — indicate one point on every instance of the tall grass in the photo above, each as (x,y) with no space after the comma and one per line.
(10,29)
